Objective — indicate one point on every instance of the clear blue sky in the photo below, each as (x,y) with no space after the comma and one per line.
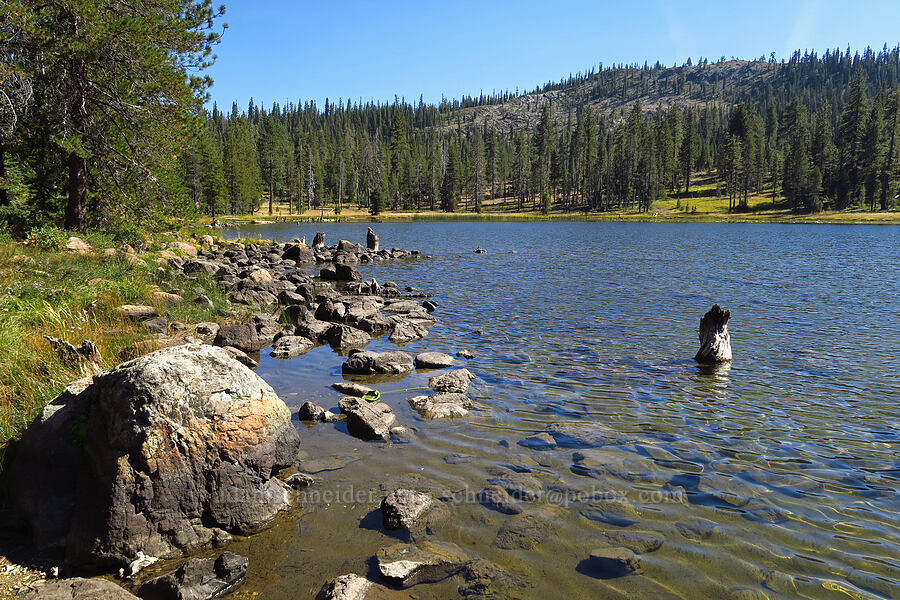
(285,50)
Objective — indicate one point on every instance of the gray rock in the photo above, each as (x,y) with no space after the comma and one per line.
(156,325)
(613,562)
(310,411)
(137,312)
(521,486)
(434,360)
(242,357)
(207,329)
(457,381)
(199,579)
(345,587)
(429,305)
(78,589)
(466,353)
(313,329)
(367,420)
(407,331)
(290,346)
(299,481)
(538,441)
(204,300)
(405,565)
(444,405)
(344,336)
(239,335)
(352,389)
(366,362)
(130,460)
(605,463)
(402,508)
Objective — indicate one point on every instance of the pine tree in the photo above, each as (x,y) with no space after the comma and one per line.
(450,185)
(850,137)
(116,93)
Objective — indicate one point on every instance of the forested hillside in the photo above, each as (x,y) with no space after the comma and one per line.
(121,145)
(818,129)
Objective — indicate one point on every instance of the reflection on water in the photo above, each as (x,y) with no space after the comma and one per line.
(775,476)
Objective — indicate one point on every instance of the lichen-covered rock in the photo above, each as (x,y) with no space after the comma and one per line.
(154,455)
(199,579)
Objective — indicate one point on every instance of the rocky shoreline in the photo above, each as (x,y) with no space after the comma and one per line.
(179,449)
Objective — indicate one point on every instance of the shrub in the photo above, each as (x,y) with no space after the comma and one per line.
(47,237)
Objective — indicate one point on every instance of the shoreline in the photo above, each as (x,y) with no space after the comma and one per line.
(835,218)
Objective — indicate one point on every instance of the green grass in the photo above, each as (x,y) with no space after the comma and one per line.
(73,297)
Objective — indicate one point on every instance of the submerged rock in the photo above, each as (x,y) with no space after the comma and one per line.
(497,498)
(78,589)
(524,531)
(198,579)
(538,441)
(613,562)
(402,508)
(154,455)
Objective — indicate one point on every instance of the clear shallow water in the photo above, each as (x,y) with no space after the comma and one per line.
(789,456)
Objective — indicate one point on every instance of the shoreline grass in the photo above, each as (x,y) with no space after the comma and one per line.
(74,297)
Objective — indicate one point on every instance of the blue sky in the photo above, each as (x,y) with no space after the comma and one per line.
(283,50)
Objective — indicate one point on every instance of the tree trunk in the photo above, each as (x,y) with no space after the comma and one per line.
(715,342)
(76,209)
(4,194)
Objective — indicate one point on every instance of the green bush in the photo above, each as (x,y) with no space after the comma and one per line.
(47,237)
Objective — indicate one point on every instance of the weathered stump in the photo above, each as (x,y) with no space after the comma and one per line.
(371,240)
(715,343)
(319,240)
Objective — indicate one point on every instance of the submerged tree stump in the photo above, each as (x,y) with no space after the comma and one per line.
(371,240)
(715,343)
(319,240)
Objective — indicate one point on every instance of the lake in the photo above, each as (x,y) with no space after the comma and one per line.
(776,476)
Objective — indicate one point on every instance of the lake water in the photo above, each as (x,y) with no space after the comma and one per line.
(776,476)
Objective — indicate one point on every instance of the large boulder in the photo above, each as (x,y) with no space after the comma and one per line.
(434,360)
(199,579)
(366,362)
(159,455)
